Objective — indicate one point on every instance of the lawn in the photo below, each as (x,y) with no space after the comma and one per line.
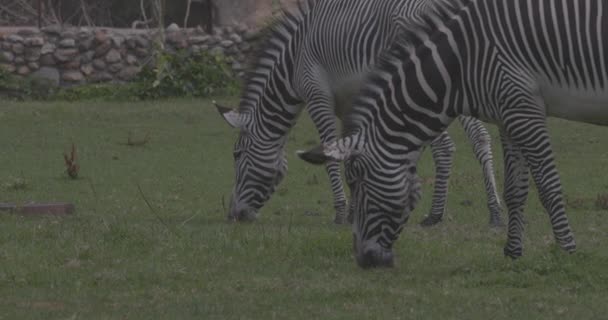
(149,238)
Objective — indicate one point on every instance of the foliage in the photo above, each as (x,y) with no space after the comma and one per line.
(181,74)
(18,88)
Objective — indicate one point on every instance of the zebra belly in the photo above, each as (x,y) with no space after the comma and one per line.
(345,89)
(576,104)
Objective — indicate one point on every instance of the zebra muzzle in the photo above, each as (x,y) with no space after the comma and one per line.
(376,259)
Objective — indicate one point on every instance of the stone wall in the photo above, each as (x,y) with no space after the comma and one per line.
(83,55)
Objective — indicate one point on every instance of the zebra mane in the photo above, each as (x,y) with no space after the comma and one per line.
(271,34)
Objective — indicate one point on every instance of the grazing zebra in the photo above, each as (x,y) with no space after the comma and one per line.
(318,55)
(513,63)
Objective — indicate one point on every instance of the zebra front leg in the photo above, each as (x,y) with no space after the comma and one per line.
(526,128)
(325,120)
(442,149)
(480,139)
(516,185)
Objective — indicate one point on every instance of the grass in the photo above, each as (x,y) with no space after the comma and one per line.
(118,258)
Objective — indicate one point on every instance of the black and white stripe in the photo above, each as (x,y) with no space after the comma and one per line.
(319,55)
(510,62)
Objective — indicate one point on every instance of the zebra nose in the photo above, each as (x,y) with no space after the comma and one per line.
(376,259)
(239,213)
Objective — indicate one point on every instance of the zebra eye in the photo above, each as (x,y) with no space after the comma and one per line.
(237,154)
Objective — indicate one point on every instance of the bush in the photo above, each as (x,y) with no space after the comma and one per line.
(174,75)
(185,75)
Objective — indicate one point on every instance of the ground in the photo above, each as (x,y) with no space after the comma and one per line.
(177,258)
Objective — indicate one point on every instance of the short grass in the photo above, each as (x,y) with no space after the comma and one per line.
(178,258)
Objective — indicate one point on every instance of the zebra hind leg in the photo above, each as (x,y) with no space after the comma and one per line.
(442,149)
(527,129)
(480,139)
(516,186)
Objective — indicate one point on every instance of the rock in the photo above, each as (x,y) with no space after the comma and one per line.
(198,39)
(177,39)
(214,40)
(5,45)
(34,41)
(33,65)
(117,40)
(244,47)
(72,76)
(23,71)
(52,30)
(73,64)
(19,60)
(113,56)
(88,56)
(131,59)
(128,73)
(87,69)
(84,32)
(142,42)
(172,28)
(226,43)
(251,35)
(26,32)
(101,77)
(237,66)
(142,53)
(32,54)
(8,67)
(6,56)
(18,48)
(131,44)
(241,28)
(101,37)
(103,48)
(15,38)
(113,68)
(86,43)
(67,43)
(99,64)
(48,48)
(63,55)
(235,38)
(47,60)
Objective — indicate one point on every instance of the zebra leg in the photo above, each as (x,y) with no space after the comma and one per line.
(442,149)
(516,194)
(482,148)
(526,128)
(324,119)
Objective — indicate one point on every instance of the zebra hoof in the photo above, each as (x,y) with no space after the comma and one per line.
(430,221)
(513,253)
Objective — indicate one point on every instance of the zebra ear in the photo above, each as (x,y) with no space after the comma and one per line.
(233,117)
(335,151)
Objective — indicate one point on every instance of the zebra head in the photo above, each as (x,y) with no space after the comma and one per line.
(259,167)
(382,196)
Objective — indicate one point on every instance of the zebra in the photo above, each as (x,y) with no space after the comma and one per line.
(513,63)
(318,55)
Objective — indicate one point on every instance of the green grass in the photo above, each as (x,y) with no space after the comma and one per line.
(117,258)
